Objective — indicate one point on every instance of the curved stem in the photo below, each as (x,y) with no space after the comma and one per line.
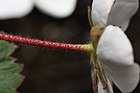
(56,45)
(90,18)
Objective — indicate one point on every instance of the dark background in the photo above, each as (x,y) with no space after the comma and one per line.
(59,71)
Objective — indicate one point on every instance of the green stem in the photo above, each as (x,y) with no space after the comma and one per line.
(90,17)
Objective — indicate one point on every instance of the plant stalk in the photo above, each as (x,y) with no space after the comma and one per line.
(40,43)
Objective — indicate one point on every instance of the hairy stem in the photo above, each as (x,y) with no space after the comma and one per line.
(56,45)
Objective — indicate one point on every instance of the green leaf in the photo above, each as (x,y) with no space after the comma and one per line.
(10,78)
(6,49)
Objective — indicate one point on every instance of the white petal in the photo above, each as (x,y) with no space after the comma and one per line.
(57,8)
(126,78)
(102,90)
(15,8)
(101,10)
(114,47)
(116,55)
(121,12)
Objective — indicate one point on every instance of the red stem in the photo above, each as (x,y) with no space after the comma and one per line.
(35,42)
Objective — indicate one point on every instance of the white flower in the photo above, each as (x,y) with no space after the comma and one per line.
(114,49)
(20,8)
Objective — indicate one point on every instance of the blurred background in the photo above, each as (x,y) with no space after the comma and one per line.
(59,71)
